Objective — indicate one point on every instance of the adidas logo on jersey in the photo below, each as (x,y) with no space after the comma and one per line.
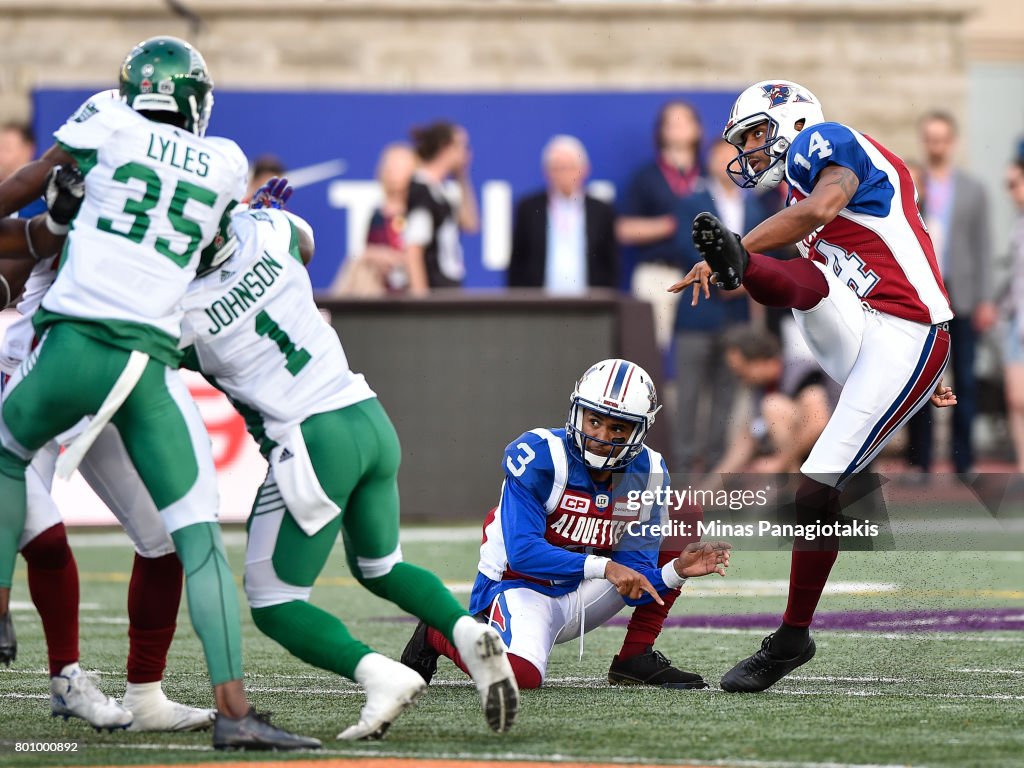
(285,455)
(225,275)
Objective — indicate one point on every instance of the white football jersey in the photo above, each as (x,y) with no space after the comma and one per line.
(154,198)
(259,336)
(17,341)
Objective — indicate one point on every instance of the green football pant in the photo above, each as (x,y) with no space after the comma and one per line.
(350,457)
(68,376)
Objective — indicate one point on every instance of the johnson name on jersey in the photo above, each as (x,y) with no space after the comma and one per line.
(878,245)
(154,198)
(258,336)
(552,519)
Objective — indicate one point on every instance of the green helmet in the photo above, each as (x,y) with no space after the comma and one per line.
(165,74)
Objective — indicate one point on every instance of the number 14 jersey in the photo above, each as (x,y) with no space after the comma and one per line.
(259,337)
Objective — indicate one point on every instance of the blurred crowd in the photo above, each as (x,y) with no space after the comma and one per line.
(744,390)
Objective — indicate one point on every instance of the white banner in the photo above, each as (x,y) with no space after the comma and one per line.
(240,467)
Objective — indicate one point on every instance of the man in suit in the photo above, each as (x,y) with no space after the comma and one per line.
(701,370)
(564,239)
(956,212)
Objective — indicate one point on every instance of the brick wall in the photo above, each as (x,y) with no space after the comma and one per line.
(874,64)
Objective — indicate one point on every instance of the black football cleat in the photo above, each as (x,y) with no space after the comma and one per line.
(721,249)
(254,731)
(763,670)
(652,668)
(419,656)
(8,640)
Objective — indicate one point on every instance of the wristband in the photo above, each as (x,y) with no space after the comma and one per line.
(5,292)
(593,567)
(669,575)
(55,228)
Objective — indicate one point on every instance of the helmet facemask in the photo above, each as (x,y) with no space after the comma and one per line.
(775,147)
(787,108)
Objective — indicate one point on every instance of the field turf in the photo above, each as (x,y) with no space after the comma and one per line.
(928,670)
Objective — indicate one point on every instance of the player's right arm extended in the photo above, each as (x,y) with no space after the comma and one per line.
(29,182)
(834,188)
(523,522)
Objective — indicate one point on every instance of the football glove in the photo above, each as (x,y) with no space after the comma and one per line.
(273,194)
(65,190)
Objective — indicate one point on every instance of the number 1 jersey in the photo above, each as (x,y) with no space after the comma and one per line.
(259,337)
(154,198)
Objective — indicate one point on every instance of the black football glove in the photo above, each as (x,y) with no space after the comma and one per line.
(65,190)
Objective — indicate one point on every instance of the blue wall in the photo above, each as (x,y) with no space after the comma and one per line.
(507,132)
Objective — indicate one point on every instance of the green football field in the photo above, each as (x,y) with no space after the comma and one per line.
(878,692)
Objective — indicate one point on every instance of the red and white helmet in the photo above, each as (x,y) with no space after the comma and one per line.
(622,390)
(780,103)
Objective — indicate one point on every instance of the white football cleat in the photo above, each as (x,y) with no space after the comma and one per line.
(73,694)
(391,688)
(153,711)
(483,653)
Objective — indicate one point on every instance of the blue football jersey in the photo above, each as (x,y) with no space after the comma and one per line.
(552,516)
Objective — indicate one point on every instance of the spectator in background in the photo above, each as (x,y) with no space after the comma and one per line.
(705,386)
(18,147)
(958,220)
(564,239)
(1013,306)
(789,405)
(265,168)
(650,219)
(434,218)
(382,269)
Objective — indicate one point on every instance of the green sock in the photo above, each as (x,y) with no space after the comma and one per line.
(313,635)
(212,599)
(12,513)
(418,591)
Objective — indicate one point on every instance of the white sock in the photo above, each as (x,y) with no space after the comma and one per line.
(144,692)
(372,666)
(466,629)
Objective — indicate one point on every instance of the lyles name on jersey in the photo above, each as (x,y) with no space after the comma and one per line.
(184,157)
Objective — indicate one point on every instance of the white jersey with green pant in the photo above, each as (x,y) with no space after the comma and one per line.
(333,452)
(155,197)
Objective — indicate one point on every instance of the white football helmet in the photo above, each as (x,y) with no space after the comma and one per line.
(616,388)
(782,104)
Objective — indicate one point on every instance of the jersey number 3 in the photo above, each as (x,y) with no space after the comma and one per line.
(525,457)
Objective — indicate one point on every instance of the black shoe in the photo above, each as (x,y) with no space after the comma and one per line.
(8,640)
(651,668)
(418,654)
(763,669)
(721,249)
(254,731)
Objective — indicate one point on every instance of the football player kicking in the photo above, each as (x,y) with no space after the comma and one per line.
(868,300)
(154,592)
(564,551)
(156,190)
(257,334)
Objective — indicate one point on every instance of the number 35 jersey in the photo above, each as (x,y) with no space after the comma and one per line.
(878,244)
(154,198)
(258,336)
